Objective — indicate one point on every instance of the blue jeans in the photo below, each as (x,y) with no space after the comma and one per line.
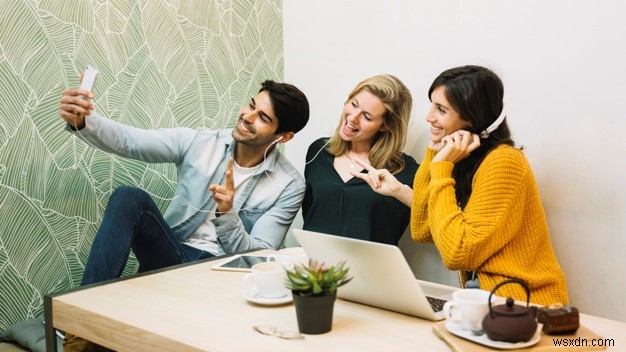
(133,221)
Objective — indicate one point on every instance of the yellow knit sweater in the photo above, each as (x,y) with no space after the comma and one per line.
(502,232)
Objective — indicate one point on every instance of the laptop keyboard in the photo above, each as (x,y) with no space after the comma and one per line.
(436,303)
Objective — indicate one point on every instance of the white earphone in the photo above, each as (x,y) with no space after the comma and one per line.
(494,126)
(277,140)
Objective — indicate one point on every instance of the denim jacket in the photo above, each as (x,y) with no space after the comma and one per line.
(260,217)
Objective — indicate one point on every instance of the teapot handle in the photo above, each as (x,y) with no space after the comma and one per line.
(521,282)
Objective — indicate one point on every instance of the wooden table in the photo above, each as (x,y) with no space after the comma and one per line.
(195,308)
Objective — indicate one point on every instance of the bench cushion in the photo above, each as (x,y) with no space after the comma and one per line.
(30,334)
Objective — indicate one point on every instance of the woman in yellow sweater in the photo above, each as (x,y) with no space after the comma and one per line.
(474,195)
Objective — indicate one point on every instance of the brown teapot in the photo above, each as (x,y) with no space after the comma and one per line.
(510,322)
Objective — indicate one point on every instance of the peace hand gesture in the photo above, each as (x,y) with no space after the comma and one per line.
(224,194)
(383,182)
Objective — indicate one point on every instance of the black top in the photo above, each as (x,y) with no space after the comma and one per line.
(351,209)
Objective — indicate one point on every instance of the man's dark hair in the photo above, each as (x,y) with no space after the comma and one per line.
(290,105)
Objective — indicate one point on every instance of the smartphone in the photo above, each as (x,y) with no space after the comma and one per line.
(240,262)
(89,78)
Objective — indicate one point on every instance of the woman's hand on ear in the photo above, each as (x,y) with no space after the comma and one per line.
(457,146)
(436,146)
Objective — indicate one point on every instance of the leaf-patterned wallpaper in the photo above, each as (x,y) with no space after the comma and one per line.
(162,63)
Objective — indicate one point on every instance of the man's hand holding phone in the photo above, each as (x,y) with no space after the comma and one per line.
(75,104)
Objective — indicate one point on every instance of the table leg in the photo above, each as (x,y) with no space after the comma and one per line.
(51,339)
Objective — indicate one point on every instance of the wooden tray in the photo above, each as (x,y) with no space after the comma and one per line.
(458,344)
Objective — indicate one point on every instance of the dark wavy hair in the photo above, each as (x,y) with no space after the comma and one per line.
(290,105)
(476,93)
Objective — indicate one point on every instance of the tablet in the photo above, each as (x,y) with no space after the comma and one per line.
(240,262)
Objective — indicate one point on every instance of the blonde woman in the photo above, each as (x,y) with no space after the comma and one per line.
(372,127)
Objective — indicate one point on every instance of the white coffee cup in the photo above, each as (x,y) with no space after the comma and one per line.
(290,255)
(468,308)
(266,280)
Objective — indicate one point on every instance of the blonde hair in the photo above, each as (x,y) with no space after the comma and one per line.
(386,151)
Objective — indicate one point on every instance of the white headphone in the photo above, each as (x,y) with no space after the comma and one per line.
(494,126)
(278,139)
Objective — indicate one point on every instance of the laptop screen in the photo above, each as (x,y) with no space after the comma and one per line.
(381,275)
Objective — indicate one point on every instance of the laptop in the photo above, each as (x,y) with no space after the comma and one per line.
(381,275)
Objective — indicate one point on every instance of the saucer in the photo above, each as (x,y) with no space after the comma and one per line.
(267,301)
(486,341)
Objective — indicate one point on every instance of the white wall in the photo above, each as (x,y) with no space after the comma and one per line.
(562,63)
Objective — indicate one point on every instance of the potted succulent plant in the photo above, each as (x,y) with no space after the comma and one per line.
(314,289)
